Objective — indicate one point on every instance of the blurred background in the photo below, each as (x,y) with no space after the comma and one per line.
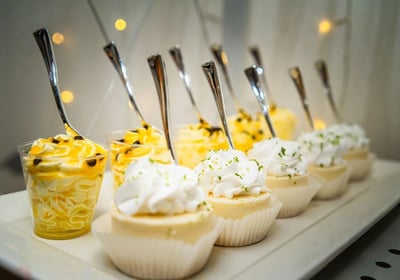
(358,39)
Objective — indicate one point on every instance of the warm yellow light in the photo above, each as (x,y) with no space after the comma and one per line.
(67,96)
(120,24)
(58,38)
(324,26)
(319,124)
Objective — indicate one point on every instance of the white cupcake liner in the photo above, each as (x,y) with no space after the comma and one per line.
(151,258)
(332,188)
(361,167)
(251,228)
(295,199)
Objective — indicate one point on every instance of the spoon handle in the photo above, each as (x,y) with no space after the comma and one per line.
(253,74)
(297,79)
(112,53)
(211,73)
(255,52)
(43,40)
(222,59)
(157,68)
(176,55)
(322,70)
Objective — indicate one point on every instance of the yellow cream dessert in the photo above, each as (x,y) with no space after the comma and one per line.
(194,141)
(286,174)
(63,175)
(358,155)
(324,150)
(236,188)
(284,122)
(126,146)
(160,226)
(247,130)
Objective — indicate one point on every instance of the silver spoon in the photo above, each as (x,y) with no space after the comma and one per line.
(43,40)
(255,52)
(253,74)
(157,68)
(297,79)
(322,70)
(112,53)
(222,59)
(176,54)
(211,73)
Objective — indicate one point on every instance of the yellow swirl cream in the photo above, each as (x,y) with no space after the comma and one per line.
(194,141)
(133,144)
(63,175)
(284,122)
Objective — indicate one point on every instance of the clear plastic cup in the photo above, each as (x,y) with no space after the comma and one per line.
(122,154)
(63,192)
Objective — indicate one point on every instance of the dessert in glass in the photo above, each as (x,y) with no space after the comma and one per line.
(63,176)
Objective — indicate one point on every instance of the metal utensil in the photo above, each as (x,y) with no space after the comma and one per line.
(112,53)
(157,68)
(222,59)
(253,74)
(255,52)
(176,54)
(297,79)
(43,40)
(322,70)
(211,73)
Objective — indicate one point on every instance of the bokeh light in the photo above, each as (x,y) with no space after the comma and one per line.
(325,26)
(319,124)
(120,24)
(67,96)
(58,38)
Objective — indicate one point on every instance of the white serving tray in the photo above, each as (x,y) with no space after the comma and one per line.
(295,248)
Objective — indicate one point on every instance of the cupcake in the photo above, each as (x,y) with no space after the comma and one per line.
(286,174)
(358,154)
(235,187)
(160,226)
(324,150)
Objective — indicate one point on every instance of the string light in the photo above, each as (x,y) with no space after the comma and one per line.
(58,38)
(67,96)
(120,24)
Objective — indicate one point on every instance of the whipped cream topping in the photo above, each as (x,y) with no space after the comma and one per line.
(353,136)
(280,157)
(324,147)
(230,172)
(66,152)
(157,188)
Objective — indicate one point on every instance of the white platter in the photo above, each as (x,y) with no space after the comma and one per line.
(295,248)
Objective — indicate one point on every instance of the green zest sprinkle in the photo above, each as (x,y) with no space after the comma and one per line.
(238,175)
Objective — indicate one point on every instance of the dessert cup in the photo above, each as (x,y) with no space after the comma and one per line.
(295,193)
(360,160)
(125,148)
(159,246)
(63,191)
(333,180)
(247,219)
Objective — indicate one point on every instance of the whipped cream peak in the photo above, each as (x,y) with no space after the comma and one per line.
(280,157)
(323,147)
(353,135)
(229,173)
(156,188)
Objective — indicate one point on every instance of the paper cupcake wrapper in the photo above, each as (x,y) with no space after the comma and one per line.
(295,199)
(333,188)
(152,258)
(251,228)
(361,167)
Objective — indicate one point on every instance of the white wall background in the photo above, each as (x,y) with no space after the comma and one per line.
(363,56)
